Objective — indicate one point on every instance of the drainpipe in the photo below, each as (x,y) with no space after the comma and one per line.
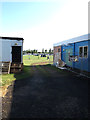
(74,55)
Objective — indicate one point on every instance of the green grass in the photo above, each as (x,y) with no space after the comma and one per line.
(27,71)
(7,79)
(36,59)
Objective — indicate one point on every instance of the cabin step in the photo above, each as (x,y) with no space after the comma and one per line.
(15,70)
(16,67)
(5,67)
(4,72)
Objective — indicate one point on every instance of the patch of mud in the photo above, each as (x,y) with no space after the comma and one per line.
(3,90)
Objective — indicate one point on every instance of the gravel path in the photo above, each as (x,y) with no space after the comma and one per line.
(49,93)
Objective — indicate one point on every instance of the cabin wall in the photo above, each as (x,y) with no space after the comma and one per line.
(89,55)
(7,49)
(82,62)
(72,49)
(66,52)
(0,50)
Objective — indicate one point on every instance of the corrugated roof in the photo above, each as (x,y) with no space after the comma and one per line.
(11,38)
(74,40)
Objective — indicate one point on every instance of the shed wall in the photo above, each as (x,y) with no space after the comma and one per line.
(7,49)
(0,50)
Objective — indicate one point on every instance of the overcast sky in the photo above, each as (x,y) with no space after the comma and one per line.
(43,22)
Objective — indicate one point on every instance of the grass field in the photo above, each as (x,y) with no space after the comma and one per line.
(34,60)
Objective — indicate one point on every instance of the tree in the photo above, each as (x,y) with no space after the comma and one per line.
(36,51)
(28,51)
(32,52)
(50,51)
(24,52)
(43,50)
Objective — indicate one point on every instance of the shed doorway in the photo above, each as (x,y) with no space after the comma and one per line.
(16,54)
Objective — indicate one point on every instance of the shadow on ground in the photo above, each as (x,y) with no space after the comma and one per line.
(47,92)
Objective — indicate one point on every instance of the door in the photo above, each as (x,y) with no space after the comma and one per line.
(69,52)
(16,53)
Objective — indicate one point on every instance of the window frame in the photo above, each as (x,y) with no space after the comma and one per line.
(87,51)
(58,49)
(83,51)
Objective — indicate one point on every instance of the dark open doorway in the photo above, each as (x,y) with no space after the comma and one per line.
(16,53)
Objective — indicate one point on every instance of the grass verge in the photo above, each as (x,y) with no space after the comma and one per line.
(27,70)
(9,78)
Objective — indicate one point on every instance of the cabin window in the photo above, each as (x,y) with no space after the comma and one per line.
(58,49)
(85,51)
(80,51)
(68,56)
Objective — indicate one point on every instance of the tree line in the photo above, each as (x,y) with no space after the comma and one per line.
(37,52)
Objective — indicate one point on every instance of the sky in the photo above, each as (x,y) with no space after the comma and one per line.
(43,22)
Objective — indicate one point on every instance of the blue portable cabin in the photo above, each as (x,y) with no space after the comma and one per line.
(89,53)
(75,52)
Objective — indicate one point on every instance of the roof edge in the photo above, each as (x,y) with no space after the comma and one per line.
(74,40)
(11,38)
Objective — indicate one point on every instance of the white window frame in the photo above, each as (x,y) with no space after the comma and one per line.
(83,51)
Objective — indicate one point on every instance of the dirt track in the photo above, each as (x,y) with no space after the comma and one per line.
(49,93)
